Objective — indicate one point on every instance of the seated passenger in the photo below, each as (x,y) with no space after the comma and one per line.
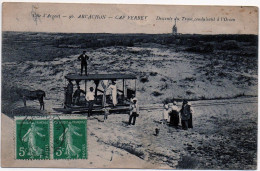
(76,95)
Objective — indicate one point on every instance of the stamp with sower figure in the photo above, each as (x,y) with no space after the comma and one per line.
(32,139)
(70,139)
(51,137)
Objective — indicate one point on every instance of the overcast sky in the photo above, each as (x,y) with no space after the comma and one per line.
(129,18)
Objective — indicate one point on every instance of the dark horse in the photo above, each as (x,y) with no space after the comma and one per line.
(33,95)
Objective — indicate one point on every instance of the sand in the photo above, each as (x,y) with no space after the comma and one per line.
(220,85)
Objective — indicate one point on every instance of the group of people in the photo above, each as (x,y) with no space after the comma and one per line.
(172,115)
(73,98)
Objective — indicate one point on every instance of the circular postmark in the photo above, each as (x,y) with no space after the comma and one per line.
(33,137)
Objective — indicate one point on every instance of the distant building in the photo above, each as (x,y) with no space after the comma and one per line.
(174,28)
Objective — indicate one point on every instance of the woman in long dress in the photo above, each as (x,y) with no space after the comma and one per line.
(70,149)
(165,114)
(114,93)
(174,115)
(30,137)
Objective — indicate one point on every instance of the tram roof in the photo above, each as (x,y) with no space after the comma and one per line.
(99,76)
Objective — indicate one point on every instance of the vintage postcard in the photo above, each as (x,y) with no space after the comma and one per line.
(129,86)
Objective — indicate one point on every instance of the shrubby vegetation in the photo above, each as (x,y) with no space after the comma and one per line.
(57,45)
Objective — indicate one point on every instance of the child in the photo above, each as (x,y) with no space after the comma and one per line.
(106,113)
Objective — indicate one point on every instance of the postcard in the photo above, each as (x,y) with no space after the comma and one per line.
(129,86)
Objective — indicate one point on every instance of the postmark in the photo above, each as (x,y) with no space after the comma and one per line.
(70,138)
(50,137)
(32,138)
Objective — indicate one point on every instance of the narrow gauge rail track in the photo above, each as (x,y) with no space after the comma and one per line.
(199,103)
(195,103)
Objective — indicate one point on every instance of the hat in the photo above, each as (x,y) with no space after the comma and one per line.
(185,102)
(134,99)
(91,88)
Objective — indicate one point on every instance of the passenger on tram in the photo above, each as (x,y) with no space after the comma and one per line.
(113,87)
(105,84)
(76,95)
(69,93)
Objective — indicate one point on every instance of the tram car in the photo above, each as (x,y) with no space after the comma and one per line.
(125,85)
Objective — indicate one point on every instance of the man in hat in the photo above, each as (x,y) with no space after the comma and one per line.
(90,97)
(134,111)
(83,58)
(186,115)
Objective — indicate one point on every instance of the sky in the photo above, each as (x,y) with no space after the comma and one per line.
(150,19)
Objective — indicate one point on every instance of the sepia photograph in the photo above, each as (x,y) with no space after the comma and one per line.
(129,86)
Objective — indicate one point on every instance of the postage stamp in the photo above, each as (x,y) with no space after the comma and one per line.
(32,138)
(51,137)
(179,83)
(70,138)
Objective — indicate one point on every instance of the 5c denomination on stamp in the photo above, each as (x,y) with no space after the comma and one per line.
(70,138)
(51,137)
(32,138)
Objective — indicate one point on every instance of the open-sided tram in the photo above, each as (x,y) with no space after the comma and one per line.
(125,86)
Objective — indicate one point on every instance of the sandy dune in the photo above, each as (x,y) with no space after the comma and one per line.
(222,87)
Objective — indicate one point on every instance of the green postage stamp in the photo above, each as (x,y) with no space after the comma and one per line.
(69,139)
(32,139)
(51,137)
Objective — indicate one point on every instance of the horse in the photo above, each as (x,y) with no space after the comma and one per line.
(33,95)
